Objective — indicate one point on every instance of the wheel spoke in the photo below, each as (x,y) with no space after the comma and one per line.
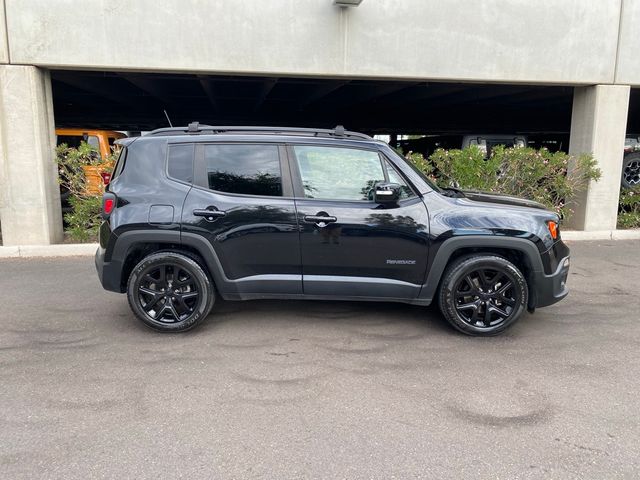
(487,314)
(180,299)
(467,306)
(474,316)
(152,293)
(484,282)
(472,285)
(499,311)
(163,274)
(188,295)
(173,311)
(504,288)
(509,301)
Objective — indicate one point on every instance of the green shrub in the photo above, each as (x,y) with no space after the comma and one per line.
(70,162)
(468,169)
(84,219)
(523,172)
(629,209)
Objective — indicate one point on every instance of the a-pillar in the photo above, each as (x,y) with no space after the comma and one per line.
(598,126)
(30,212)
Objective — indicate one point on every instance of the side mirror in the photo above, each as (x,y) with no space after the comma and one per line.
(384,192)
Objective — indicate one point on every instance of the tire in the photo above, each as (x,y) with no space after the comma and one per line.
(482,295)
(155,300)
(631,170)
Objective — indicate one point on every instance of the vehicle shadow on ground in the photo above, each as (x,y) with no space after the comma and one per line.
(291,313)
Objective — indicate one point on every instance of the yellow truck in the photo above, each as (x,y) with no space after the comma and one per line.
(102,141)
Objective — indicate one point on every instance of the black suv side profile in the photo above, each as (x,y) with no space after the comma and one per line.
(244,213)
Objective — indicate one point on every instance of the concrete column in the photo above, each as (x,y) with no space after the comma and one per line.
(30,211)
(598,126)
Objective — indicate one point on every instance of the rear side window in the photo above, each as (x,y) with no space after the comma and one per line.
(181,162)
(244,169)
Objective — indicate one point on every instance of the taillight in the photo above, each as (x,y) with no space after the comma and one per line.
(553,229)
(108,204)
(106,177)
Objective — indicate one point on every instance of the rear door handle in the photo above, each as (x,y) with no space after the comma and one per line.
(320,220)
(208,213)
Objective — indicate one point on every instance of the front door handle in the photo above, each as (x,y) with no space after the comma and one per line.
(320,220)
(209,214)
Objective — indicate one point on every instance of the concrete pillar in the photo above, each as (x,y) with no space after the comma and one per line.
(30,211)
(598,126)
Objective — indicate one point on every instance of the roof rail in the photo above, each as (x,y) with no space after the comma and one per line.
(194,128)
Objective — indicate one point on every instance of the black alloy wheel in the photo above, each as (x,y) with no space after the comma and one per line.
(170,292)
(485,297)
(482,294)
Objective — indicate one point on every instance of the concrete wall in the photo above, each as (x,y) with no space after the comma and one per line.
(628,66)
(542,41)
(598,123)
(29,191)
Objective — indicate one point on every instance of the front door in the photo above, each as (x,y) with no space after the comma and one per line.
(242,205)
(351,246)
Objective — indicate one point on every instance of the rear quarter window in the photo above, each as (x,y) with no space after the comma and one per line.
(119,167)
(180,163)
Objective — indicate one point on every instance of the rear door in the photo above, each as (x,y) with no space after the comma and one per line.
(242,204)
(351,246)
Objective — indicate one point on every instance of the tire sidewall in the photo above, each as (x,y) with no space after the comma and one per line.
(465,266)
(205,303)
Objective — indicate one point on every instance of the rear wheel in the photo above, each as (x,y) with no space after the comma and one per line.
(483,295)
(170,292)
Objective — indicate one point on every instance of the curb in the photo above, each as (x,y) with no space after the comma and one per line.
(576,235)
(62,250)
(89,249)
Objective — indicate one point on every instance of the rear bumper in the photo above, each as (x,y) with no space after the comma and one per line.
(550,289)
(108,272)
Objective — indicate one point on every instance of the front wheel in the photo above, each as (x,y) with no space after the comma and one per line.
(483,295)
(170,292)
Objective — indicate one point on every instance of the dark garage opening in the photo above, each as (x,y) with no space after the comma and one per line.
(137,101)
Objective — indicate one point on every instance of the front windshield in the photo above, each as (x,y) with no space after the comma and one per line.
(427,180)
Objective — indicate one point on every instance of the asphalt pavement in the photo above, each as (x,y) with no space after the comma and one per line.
(272,389)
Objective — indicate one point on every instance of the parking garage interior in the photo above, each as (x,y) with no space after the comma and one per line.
(138,102)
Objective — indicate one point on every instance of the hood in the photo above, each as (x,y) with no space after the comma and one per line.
(502,199)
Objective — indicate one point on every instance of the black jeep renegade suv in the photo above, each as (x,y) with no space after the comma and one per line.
(255,212)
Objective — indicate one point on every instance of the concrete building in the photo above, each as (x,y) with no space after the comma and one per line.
(389,52)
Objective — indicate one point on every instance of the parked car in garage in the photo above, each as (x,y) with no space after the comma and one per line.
(486,142)
(631,162)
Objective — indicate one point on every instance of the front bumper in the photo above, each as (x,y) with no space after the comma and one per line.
(550,289)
